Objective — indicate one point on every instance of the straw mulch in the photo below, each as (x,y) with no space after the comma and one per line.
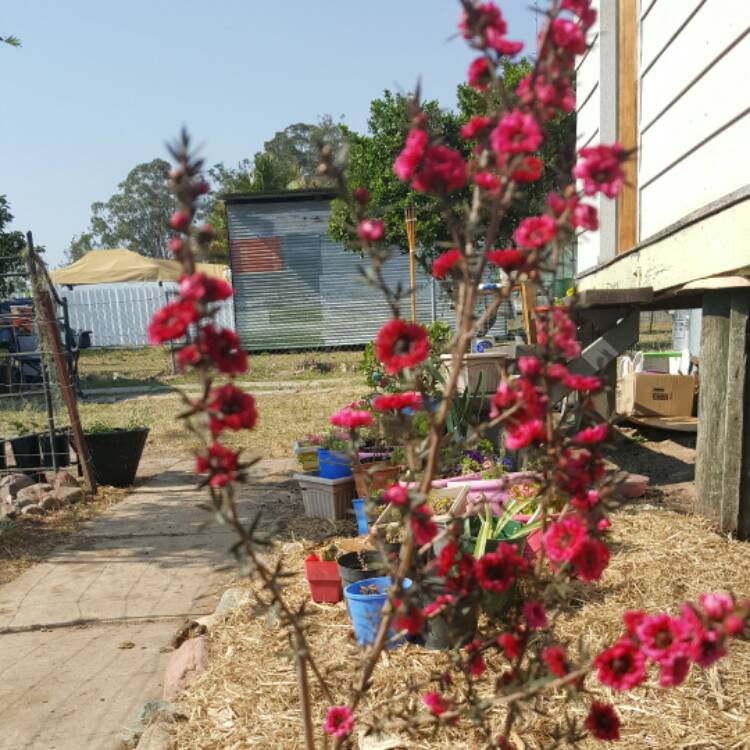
(248,696)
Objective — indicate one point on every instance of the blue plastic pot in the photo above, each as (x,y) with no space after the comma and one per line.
(363,527)
(334,465)
(364,609)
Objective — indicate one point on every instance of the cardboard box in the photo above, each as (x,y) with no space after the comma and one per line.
(655,394)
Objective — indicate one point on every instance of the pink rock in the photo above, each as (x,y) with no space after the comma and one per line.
(184,665)
(63,479)
(633,486)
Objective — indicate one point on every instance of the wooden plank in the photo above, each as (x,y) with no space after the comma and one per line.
(627,121)
(528,303)
(608,297)
(735,410)
(674,424)
(708,246)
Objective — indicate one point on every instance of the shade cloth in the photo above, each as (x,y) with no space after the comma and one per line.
(111,266)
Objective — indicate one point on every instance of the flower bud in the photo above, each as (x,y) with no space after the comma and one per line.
(361,195)
(179,221)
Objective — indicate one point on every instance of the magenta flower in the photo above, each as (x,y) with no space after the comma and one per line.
(339,721)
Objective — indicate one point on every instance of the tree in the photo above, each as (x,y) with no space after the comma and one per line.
(371,166)
(224,179)
(11,253)
(371,158)
(135,217)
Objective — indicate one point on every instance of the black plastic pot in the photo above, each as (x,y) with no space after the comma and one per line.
(356,566)
(26,452)
(61,444)
(455,628)
(116,455)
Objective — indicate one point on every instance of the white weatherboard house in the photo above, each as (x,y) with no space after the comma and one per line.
(671,79)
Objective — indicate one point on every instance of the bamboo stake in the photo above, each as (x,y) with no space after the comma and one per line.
(304,690)
(411,235)
(63,376)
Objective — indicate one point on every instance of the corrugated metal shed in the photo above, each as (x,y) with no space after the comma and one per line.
(118,314)
(297,288)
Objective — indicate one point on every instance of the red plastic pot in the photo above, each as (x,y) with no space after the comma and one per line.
(323,577)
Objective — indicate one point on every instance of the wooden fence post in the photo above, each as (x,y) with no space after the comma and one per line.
(63,375)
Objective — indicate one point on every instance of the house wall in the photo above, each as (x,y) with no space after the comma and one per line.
(694,107)
(596,113)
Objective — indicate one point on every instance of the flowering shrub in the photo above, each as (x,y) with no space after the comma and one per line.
(522,595)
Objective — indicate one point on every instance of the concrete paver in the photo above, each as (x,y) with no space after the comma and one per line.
(82,635)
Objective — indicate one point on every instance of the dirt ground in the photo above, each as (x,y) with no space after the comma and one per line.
(662,555)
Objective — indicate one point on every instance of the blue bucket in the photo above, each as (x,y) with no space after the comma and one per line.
(334,465)
(363,527)
(364,609)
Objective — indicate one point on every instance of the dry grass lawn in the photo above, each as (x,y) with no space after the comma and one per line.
(248,696)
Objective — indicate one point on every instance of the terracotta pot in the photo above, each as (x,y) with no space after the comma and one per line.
(374,476)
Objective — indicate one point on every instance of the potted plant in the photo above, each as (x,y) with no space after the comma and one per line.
(306,451)
(116,451)
(333,459)
(25,445)
(322,574)
(356,566)
(365,600)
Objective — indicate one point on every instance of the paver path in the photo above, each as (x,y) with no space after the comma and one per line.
(82,634)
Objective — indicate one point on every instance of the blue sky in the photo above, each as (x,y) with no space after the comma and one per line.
(99,86)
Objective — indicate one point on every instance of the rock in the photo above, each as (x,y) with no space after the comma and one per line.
(153,712)
(231,600)
(155,737)
(12,484)
(64,479)
(208,621)
(51,502)
(381,742)
(184,665)
(7,511)
(32,494)
(69,495)
(33,510)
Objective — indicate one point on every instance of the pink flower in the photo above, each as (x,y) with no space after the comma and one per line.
(171,321)
(661,636)
(408,618)
(600,169)
(396,494)
(435,703)
(407,160)
(475,660)
(582,382)
(179,221)
(632,618)
(583,9)
(564,538)
(523,434)
(223,348)
(487,181)
(706,647)
(500,44)
(442,171)
(716,606)
(370,230)
(497,571)
(230,408)
(517,132)
(603,721)
(568,36)
(479,76)
(438,605)
(510,645)
(351,419)
(621,666)
(590,560)
(361,195)
(175,246)
(673,670)
(535,231)
(585,217)
(474,127)
(400,345)
(603,524)
(445,262)
(201,288)
(339,721)
(398,401)
(508,260)
(529,171)
(529,366)
(424,528)
(592,435)
(554,658)
(535,614)
(220,463)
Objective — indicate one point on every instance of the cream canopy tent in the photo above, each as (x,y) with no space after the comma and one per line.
(112,266)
